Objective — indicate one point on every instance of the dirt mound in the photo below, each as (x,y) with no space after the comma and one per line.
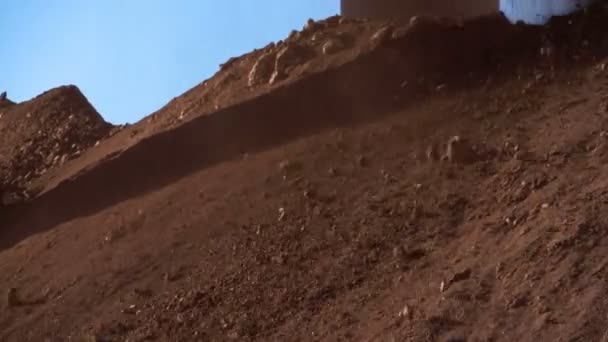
(462,198)
(334,61)
(433,48)
(44,132)
(237,80)
(5,102)
(333,42)
(350,235)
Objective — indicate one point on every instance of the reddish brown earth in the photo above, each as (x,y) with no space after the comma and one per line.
(309,210)
(45,132)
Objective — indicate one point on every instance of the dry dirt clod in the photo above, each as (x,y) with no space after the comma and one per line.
(294,35)
(406,312)
(459,151)
(518,302)
(9,198)
(262,70)
(172,276)
(524,156)
(228,63)
(287,166)
(287,58)
(432,153)
(398,253)
(382,36)
(130,310)
(318,36)
(399,32)
(12,298)
(417,211)
(461,276)
(424,22)
(333,46)
(290,56)
(281,214)
(309,194)
(362,161)
(311,25)
(343,20)
(276,77)
(454,338)
(115,235)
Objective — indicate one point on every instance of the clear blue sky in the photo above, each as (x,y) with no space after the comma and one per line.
(130,57)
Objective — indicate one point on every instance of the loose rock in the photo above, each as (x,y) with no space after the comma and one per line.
(420,22)
(262,70)
(432,153)
(276,77)
(318,36)
(12,298)
(459,151)
(400,32)
(461,276)
(131,310)
(362,161)
(406,312)
(290,56)
(294,35)
(311,25)
(10,198)
(228,63)
(382,36)
(333,46)
(287,166)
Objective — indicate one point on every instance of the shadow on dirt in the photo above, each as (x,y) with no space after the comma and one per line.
(363,90)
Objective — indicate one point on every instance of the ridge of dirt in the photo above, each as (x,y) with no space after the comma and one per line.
(367,228)
(378,73)
(378,68)
(45,132)
(230,84)
(229,87)
(340,205)
(6,103)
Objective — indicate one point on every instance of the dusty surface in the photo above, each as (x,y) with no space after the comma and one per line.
(44,133)
(339,206)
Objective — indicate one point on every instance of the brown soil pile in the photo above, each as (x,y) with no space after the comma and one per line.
(390,197)
(6,103)
(327,44)
(44,132)
(302,53)
(340,59)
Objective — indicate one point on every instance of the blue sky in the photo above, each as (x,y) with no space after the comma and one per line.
(130,57)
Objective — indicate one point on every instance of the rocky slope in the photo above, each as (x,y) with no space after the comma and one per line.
(432,184)
(44,133)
